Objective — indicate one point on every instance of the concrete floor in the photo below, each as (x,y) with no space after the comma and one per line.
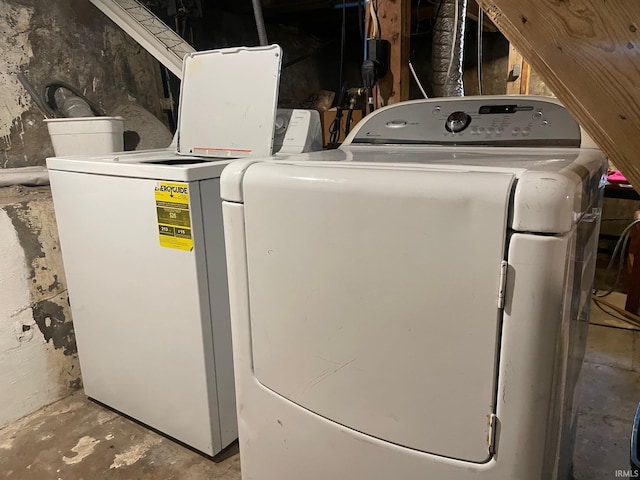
(76,439)
(609,395)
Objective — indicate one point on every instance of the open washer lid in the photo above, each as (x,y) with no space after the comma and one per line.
(228,102)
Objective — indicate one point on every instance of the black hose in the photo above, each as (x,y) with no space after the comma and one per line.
(50,97)
(48,113)
(347,126)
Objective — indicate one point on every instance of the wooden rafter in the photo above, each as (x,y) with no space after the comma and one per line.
(588,53)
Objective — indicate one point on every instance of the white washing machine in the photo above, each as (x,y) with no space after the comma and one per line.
(143,249)
(415,304)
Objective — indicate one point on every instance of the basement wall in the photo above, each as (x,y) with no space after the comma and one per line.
(38,359)
(72,41)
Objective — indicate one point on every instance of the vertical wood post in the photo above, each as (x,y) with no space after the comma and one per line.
(395,27)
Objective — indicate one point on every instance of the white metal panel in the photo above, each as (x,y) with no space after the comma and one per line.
(219,304)
(546,202)
(228,102)
(553,201)
(273,430)
(531,348)
(373,298)
(581,259)
(163,164)
(231,180)
(143,328)
(162,168)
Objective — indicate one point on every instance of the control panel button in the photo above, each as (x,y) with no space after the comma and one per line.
(396,124)
(457,121)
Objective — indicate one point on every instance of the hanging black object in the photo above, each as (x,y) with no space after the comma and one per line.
(375,66)
(378,53)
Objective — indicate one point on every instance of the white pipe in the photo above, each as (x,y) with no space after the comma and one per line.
(262,31)
(31,176)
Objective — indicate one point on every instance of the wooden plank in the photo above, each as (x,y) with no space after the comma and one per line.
(515,63)
(395,27)
(588,53)
(537,85)
(525,77)
(472,13)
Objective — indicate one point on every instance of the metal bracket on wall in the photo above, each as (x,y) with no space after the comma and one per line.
(518,75)
(149,31)
(516,69)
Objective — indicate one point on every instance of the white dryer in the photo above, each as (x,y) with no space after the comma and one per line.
(415,304)
(143,249)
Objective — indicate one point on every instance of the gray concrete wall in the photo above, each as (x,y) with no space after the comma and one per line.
(72,41)
(38,359)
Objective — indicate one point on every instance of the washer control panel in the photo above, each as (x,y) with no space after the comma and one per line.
(496,120)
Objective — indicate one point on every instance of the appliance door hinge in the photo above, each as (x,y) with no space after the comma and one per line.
(493,421)
(503,283)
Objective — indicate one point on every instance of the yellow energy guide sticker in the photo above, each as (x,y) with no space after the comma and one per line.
(174,221)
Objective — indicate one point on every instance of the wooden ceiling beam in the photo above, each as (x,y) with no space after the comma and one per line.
(588,53)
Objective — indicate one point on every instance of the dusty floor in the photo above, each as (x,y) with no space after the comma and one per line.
(610,393)
(76,439)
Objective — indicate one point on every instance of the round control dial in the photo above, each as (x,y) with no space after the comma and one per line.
(281,124)
(457,121)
